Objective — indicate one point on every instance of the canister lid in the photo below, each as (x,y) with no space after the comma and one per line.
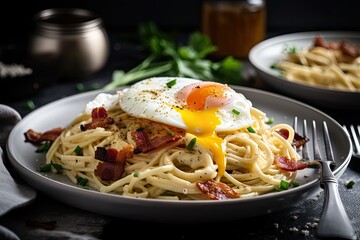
(67,20)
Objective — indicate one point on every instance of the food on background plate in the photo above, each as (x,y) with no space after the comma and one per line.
(174,138)
(332,64)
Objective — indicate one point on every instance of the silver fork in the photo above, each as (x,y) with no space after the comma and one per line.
(334,222)
(354,138)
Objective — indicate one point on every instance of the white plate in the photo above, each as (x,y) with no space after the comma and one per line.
(269,51)
(59,113)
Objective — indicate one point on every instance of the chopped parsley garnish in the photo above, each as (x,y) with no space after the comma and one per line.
(170,133)
(57,167)
(47,167)
(30,105)
(350,184)
(269,120)
(250,129)
(94,86)
(171,83)
(274,66)
(235,111)
(139,129)
(284,185)
(78,150)
(290,49)
(82,181)
(136,174)
(191,144)
(295,183)
(80,87)
(44,147)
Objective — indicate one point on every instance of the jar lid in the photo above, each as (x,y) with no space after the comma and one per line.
(67,19)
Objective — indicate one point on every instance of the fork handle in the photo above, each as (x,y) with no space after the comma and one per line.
(334,222)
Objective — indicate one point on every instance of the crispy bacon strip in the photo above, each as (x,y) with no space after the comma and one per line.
(350,49)
(99,117)
(347,48)
(110,171)
(114,162)
(113,155)
(319,41)
(298,140)
(286,164)
(144,144)
(142,141)
(217,190)
(38,137)
(99,113)
(125,153)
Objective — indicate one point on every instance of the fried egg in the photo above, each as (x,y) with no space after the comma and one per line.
(187,103)
(201,108)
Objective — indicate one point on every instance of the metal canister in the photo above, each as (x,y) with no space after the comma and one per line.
(71,42)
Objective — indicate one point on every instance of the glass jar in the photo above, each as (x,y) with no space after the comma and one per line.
(72,42)
(234,26)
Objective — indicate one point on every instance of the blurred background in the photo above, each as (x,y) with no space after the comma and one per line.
(283,16)
(121,20)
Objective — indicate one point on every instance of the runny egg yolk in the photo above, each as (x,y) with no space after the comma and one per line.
(201,119)
(202,124)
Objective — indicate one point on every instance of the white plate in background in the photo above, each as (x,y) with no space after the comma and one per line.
(269,51)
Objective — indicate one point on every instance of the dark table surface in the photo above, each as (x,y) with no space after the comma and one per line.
(296,222)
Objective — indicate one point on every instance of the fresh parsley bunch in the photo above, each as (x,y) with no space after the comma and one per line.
(171,60)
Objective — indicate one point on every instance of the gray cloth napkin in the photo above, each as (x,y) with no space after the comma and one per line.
(13,194)
(8,118)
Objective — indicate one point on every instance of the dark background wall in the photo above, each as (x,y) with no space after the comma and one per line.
(283,16)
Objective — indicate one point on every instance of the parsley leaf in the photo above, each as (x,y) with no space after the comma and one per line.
(171,59)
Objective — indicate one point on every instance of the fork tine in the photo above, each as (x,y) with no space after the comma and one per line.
(305,150)
(355,138)
(317,154)
(295,123)
(328,148)
(295,129)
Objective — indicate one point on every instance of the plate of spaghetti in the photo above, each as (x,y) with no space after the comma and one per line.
(181,149)
(320,68)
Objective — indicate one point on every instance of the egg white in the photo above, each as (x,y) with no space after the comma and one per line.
(101,100)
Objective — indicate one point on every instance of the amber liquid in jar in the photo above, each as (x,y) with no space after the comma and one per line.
(234,27)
